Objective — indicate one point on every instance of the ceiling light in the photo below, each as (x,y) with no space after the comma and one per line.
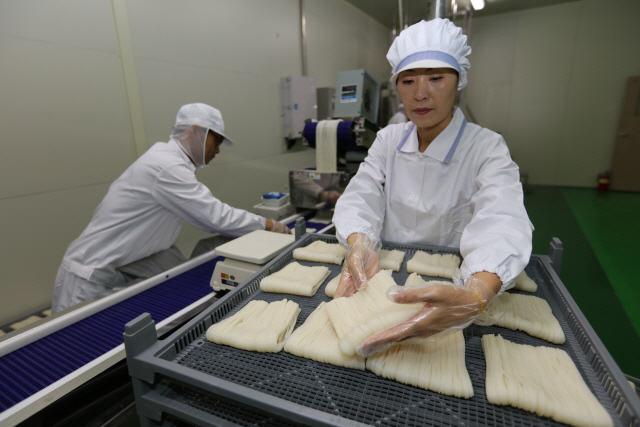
(477,4)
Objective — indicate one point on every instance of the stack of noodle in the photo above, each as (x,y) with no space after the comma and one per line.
(319,251)
(316,339)
(532,315)
(390,260)
(334,330)
(543,380)
(332,286)
(326,146)
(524,283)
(367,312)
(259,326)
(415,280)
(435,265)
(295,279)
(437,366)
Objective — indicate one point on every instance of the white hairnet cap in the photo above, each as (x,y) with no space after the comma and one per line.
(434,44)
(204,116)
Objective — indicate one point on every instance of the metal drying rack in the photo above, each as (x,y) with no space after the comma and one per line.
(186,377)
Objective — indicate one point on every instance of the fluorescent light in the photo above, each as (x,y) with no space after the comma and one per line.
(477,4)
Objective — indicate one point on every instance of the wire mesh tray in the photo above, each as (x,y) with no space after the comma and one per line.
(313,393)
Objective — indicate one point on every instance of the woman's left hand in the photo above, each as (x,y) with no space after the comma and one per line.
(445,307)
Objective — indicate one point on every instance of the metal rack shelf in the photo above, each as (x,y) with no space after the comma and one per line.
(190,378)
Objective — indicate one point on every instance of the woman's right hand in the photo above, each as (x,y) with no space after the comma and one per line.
(360,265)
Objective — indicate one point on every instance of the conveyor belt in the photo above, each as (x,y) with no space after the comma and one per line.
(30,369)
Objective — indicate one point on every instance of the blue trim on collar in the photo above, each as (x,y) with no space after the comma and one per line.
(455,143)
(429,54)
(406,136)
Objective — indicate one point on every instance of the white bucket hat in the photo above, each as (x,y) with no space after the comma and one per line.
(205,116)
(434,44)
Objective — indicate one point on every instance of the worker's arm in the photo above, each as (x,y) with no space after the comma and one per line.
(361,208)
(360,265)
(498,238)
(276,227)
(358,218)
(177,189)
(445,307)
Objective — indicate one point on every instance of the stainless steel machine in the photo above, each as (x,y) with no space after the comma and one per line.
(355,104)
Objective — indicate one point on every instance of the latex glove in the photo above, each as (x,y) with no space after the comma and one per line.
(360,265)
(329,196)
(276,227)
(446,308)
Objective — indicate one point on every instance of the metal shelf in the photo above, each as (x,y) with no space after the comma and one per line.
(173,376)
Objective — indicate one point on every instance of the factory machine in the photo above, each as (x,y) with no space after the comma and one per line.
(246,255)
(341,140)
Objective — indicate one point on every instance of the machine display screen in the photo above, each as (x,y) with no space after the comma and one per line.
(349,93)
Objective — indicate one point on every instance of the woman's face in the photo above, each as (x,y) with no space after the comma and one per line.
(428,95)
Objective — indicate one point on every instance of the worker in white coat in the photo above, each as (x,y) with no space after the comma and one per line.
(144,208)
(436,180)
(398,117)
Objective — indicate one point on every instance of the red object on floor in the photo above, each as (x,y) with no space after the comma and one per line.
(603,181)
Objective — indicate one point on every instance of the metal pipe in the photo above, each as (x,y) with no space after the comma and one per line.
(437,9)
(400,15)
(465,21)
(303,32)
(470,15)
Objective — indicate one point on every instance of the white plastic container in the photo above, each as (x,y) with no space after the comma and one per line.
(280,199)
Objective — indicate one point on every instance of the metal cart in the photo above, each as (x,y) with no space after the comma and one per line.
(187,378)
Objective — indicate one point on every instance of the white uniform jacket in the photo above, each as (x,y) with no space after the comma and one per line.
(142,214)
(463,191)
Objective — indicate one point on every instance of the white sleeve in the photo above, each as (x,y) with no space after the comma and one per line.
(361,208)
(177,189)
(498,238)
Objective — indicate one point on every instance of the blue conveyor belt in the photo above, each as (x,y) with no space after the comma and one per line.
(34,367)
(343,134)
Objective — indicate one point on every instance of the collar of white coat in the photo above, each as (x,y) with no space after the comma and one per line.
(176,145)
(443,146)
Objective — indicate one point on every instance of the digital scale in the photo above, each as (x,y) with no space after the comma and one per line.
(245,256)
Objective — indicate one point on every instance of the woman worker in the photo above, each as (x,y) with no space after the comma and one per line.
(144,208)
(435,180)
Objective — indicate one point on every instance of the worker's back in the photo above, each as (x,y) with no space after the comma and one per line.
(131,222)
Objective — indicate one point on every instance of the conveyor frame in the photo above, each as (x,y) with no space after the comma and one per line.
(59,388)
(54,391)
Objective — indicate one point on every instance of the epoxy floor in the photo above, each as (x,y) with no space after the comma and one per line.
(600,233)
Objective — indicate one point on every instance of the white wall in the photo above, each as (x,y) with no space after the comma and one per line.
(552,81)
(68,121)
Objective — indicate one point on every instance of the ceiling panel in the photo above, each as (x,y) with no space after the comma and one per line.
(386,11)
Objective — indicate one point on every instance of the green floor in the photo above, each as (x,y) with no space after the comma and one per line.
(600,233)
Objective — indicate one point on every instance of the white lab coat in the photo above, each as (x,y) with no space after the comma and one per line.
(465,195)
(142,214)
